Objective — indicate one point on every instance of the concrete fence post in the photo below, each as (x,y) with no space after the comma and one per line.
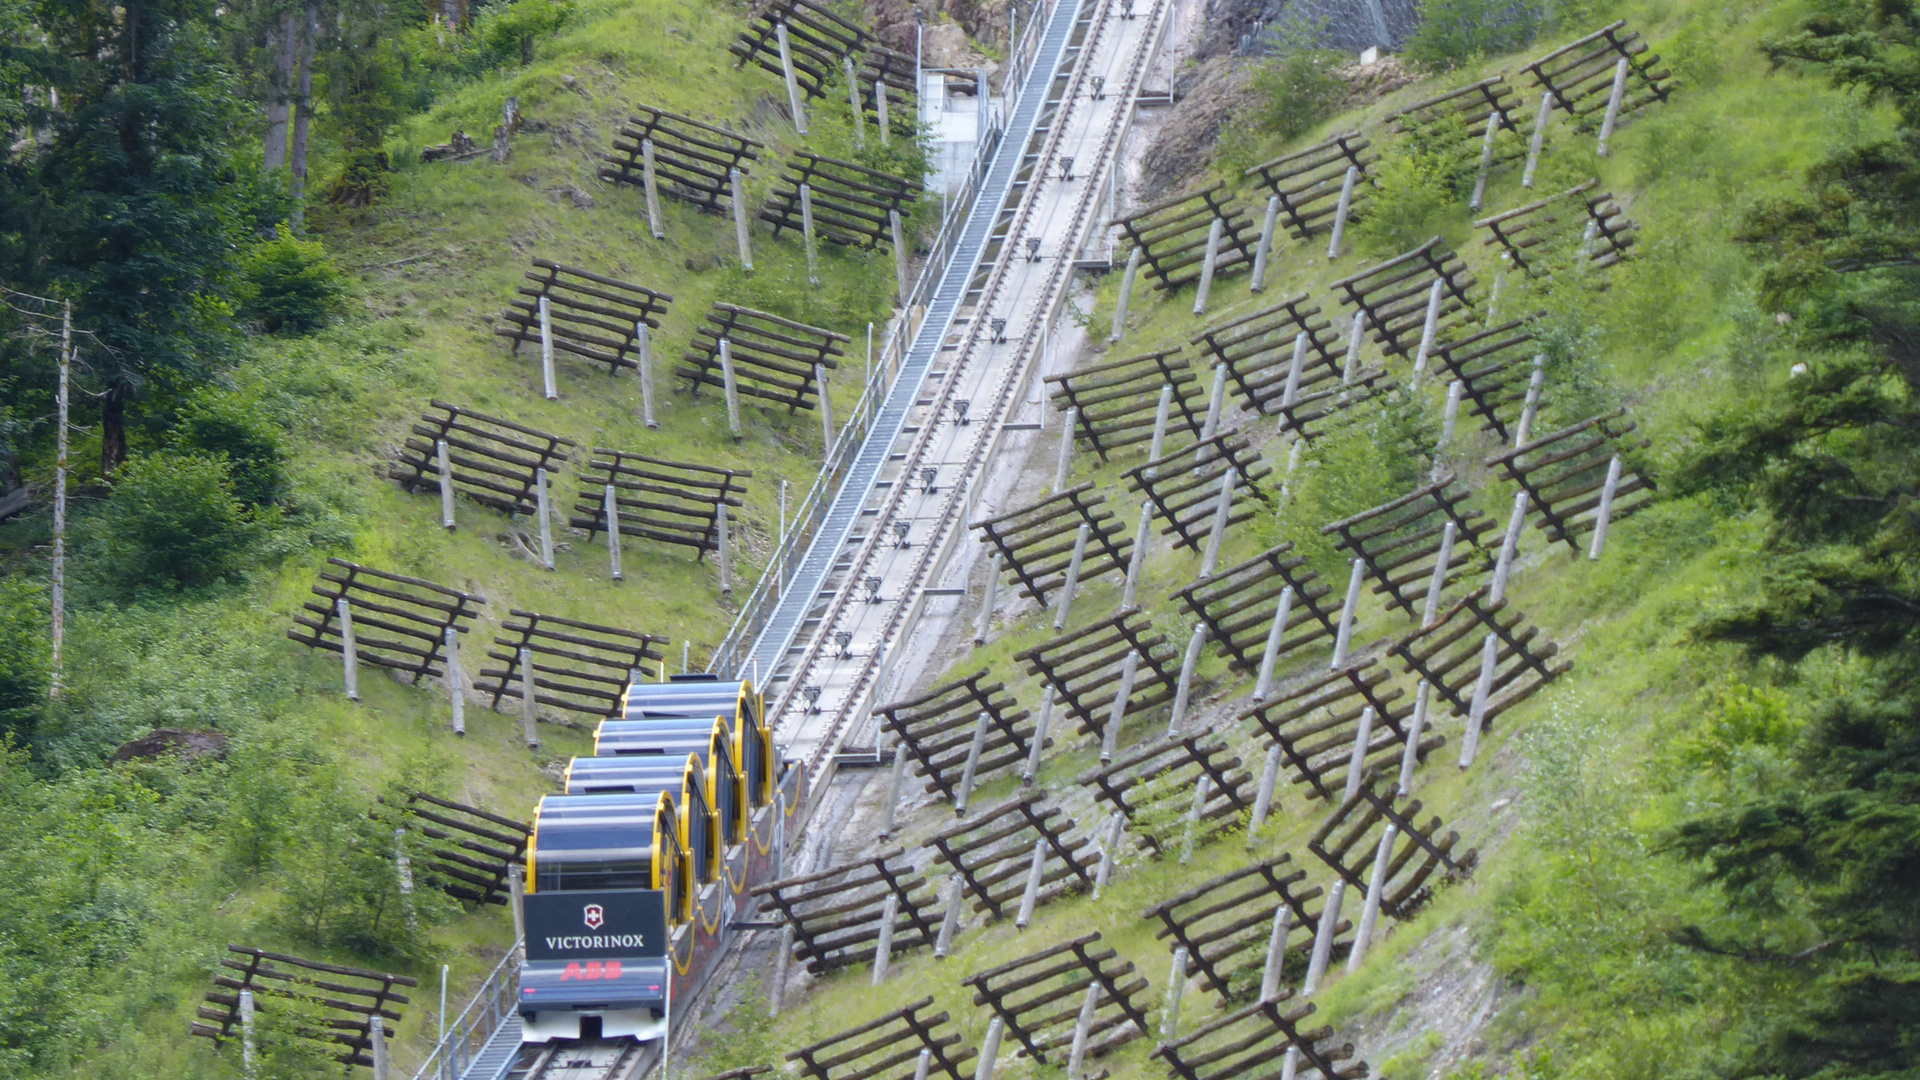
(1540,122)
(444,458)
(826,412)
(246,1032)
(902,257)
(1429,330)
(1344,207)
(543,506)
(529,699)
(1343,639)
(1217,535)
(1509,548)
(893,786)
(1190,832)
(456,682)
(793,80)
(613,532)
(1083,1031)
(643,347)
(349,649)
(1271,971)
(1604,513)
(736,185)
(968,774)
(1477,708)
(1410,756)
(1262,253)
(1356,338)
(986,604)
(1206,267)
(1268,656)
(731,389)
(880,112)
(1109,850)
(1176,986)
(1486,163)
(550,387)
(950,918)
(1376,887)
(651,183)
(1126,295)
(1036,874)
(1110,736)
(1072,581)
(1263,799)
(1442,566)
(1183,691)
(1137,558)
(725,552)
(806,234)
(990,1050)
(1161,415)
(1613,104)
(1295,367)
(853,101)
(1323,936)
(1039,738)
(883,948)
(1063,460)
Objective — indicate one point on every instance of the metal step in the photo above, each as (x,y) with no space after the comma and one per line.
(497,1056)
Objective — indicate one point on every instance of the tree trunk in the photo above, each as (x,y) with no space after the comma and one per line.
(113,429)
(282,43)
(302,111)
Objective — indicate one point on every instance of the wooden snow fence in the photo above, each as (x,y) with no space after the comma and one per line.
(1040,997)
(692,161)
(1461,116)
(1315,721)
(1604,230)
(1349,840)
(889,1048)
(885,71)
(937,728)
(492,461)
(346,1010)
(1154,787)
(1565,475)
(1239,604)
(1449,653)
(469,850)
(851,203)
(835,913)
(773,358)
(747,1073)
(1258,351)
(1184,485)
(1036,541)
(1085,667)
(669,502)
(1225,924)
(1394,295)
(1580,75)
(399,622)
(592,316)
(577,666)
(1493,366)
(992,851)
(1252,1043)
(1115,404)
(817,38)
(1308,182)
(1172,236)
(1400,541)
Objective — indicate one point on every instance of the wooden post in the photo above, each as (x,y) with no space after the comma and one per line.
(1137,558)
(1276,952)
(1201,789)
(949,919)
(653,189)
(1261,253)
(1072,582)
(1477,709)
(529,703)
(826,412)
(883,948)
(1291,391)
(57,616)
(643,342)
(726,560)
(986,604)
(349,651)
(445,461)
(1415,727)
(1323,935)
(732,389)
(1264,684)
(1376,885)
(1063,463)
(613,533)
(1161,415)
(971,772)
(1115,825)
(1184,690)
(1083,1030)
(544,508)
(1354,338)
(1110,737)
(1126,294)
(880,107)
(456,682)
(853,99)
(806,233)
(1344,637)
(1605,512)
(1222,511)
(793,81)
(902,257)
(893,786)
(990,1051)
(546,351)
(738,188)
(1039,738)
(1263,799)
(1176,985)
(1337,241)
(1613,104)
(1486,163)
(1509,548)
(1036,873)
(1539,139)
(1430,329)
(246,1032)
(1206,267)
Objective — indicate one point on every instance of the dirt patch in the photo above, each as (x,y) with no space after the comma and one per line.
(189,745)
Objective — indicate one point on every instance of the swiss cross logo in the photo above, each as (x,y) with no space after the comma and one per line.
(595,916)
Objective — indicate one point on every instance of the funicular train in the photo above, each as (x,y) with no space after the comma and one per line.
(634,872)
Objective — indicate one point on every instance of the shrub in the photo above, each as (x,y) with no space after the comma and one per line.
(223,425)
(1455,32)
(25,664)
(173,517)
(506,32)
(1299,84)
(291,284)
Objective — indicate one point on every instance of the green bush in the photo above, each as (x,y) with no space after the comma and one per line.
(291,285)
(25,663)
(1455,32)
(173,517)
(222,425)
(506,32)
(1299,84)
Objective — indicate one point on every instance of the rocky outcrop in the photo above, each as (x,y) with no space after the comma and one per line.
(188,745)
(1207,97)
